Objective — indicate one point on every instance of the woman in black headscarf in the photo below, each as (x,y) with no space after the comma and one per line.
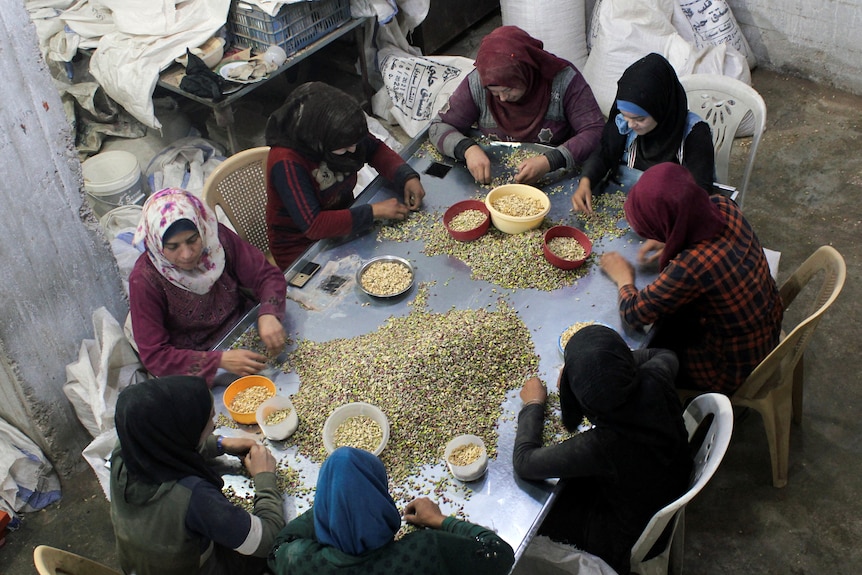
(169,514)
(319,140)
(631,463)
(649,123)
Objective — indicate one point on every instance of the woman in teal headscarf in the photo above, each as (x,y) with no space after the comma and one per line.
(351,529)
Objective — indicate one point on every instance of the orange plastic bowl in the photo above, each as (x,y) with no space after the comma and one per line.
(566,232)
(463,206)
(241,384)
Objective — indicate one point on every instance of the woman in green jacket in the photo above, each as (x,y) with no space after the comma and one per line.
(351,530)
(169,514)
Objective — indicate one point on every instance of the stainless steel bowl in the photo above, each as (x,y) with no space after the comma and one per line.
(394,259)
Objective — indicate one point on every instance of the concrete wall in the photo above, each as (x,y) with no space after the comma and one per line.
(814,39)
(56,265)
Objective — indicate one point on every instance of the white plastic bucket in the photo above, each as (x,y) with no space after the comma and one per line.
(112,179)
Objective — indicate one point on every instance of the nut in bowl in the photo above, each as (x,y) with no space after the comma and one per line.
(466,457)
(467,220)
(277,418)
(360,425)
(385,276)
(517,208)
(570,331)
(566,247)
(244,396)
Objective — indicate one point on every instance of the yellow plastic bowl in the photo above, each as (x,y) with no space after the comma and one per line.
(515,224)
(241,384)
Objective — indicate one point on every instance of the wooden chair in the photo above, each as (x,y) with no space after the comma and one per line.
(53,561)
(714,411)
(723,102)
(774,388)
(238,187)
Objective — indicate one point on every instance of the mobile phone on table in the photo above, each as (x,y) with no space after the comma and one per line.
(304,274)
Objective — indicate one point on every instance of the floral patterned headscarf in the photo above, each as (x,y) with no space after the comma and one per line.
(160,212)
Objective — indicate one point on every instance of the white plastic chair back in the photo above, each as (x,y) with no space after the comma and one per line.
(723,102)
(706,461)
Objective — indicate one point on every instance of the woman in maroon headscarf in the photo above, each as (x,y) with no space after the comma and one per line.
(520,93)
(714,302)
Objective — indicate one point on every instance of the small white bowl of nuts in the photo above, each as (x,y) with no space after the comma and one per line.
(466,457)
(385,276)
(358,424)
(277,418)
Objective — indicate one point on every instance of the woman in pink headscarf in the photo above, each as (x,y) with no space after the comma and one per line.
(520,93)
(189,289)
(714,302)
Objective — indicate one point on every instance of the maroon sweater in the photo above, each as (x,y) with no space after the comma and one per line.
(174,328)
(299,212)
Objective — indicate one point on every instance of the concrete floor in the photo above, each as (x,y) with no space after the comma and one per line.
(804,193)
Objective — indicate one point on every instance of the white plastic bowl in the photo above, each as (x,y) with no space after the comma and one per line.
(345,412)
(472,471)
(282,430)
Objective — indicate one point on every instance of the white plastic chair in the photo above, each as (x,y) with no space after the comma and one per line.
(723,102)
(706,462)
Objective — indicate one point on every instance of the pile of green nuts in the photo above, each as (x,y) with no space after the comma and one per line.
(434,375)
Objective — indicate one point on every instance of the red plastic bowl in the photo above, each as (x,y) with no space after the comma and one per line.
(463,206)
(566,232)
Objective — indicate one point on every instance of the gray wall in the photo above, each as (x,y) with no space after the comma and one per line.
(815,39)
(56,265)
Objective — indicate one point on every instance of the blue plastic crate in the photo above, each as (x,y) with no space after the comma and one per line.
(294,27)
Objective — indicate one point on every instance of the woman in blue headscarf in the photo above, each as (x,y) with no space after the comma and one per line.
(648,124)
(351,529)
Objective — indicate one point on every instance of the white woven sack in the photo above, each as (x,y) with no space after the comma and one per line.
(105,366)
(543,556)
(623,31)
(711,23)
(559,24)
(416,87)
(28,481)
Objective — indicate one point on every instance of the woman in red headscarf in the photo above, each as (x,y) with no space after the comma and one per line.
(714,302)
(520,93)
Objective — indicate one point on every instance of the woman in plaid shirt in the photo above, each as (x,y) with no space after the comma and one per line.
(714,302)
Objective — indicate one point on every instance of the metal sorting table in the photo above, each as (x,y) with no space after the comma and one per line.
(223,109)
(500,500)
